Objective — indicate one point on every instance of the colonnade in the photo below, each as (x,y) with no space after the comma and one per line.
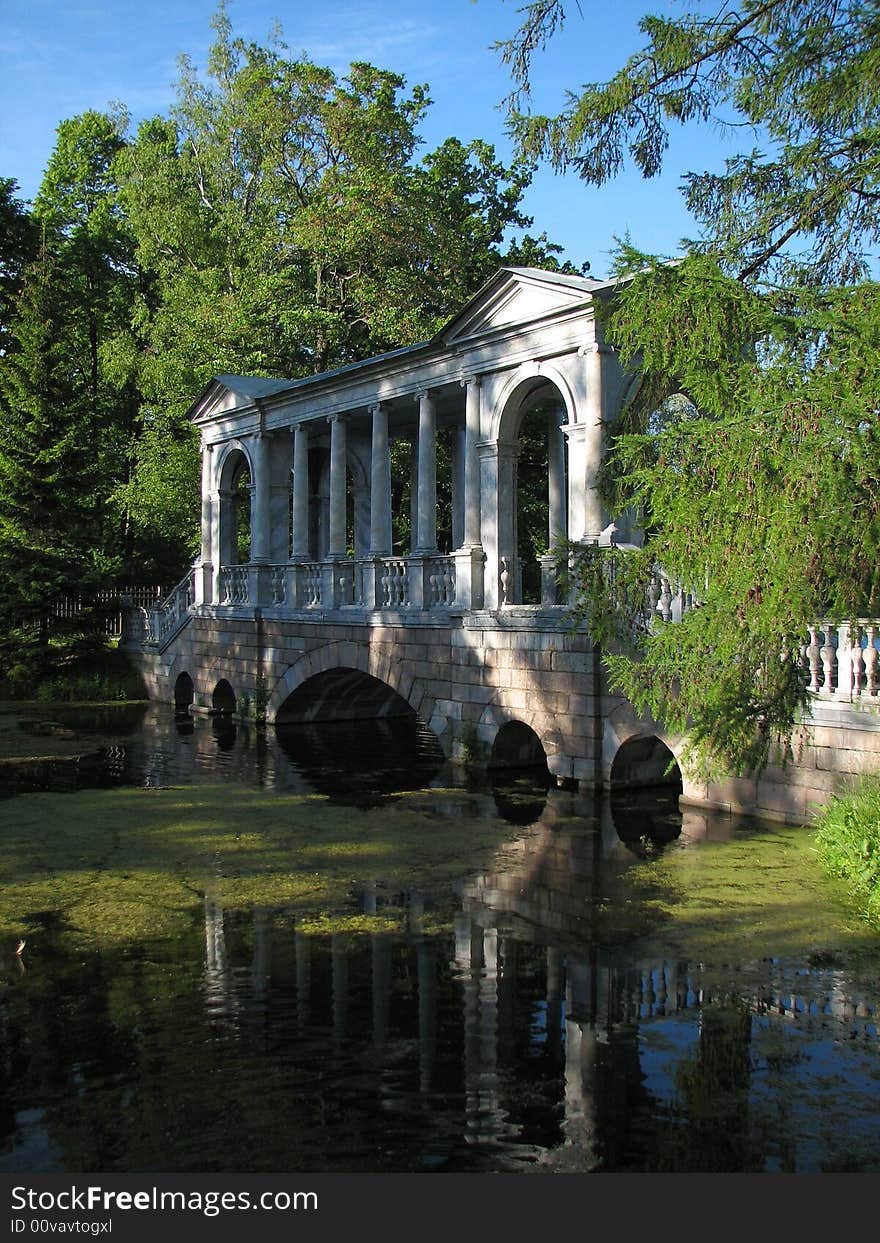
(301,476)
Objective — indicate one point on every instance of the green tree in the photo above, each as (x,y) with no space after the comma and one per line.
(287,227)
(96,280)
(18,248)
(45,525)
(760,486)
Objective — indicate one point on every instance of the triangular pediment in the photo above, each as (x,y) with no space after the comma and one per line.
(518,297)
(226,393)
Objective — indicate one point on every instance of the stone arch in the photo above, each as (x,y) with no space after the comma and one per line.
(533,375)
(361,657)
(543,725)
(532,473)
(235,460)
(644,759)
(517,745)
(184,691)
(223,700)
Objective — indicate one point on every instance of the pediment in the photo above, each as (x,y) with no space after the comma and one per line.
(517,297)
(225,394)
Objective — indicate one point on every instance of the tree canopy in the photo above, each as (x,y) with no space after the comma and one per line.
(280,219)
(760,490)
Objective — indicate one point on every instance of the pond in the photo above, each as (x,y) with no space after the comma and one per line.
(322,950)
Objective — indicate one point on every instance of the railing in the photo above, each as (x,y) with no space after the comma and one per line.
(394,581)
(234,584)
(843,659)
(441,580)
(167,617)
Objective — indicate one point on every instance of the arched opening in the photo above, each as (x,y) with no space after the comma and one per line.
(645,788)
(355,739)
(223,699)
(516,745)
(236,492)
(342,694)
(532,474)
(184,692)
(645,761)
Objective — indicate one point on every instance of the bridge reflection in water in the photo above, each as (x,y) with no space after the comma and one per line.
(536,1034)
(537,1016)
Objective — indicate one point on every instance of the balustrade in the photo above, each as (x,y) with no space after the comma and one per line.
(843,659)
(234,584)
(394,580)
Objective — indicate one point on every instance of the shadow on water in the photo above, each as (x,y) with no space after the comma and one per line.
(360,763)
(646,818)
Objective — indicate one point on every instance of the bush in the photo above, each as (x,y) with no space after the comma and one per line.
(848,839)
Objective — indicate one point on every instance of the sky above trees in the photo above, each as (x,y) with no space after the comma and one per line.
(60,59)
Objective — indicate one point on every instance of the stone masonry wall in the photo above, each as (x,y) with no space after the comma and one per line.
(470,677)
(465,680)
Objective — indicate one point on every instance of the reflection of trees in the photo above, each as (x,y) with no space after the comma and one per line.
(713,1094)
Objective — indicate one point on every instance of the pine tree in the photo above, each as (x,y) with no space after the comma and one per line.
(45,527)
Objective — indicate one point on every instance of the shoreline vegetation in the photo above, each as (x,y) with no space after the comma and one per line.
(847,836)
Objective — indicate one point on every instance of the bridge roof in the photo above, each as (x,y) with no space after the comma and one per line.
(511,296)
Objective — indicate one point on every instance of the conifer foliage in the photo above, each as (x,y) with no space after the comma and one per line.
(759,486)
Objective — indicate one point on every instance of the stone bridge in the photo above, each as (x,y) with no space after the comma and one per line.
(374,543)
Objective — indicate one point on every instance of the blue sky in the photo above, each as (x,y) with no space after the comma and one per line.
(61,57)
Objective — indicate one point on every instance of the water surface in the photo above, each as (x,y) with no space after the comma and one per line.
(324,951)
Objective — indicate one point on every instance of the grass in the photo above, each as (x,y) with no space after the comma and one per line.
(848,841)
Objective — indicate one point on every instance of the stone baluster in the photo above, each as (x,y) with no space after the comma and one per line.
(814,658)
(858,663)
(844,662)
(871,658)
(828,655)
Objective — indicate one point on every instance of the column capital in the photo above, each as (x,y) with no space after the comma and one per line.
(473,379)
(377,406)
(424,394)
(337,417)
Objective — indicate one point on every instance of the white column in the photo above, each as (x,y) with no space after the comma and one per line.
(380,485)
(426,540)
(262,494)
(556,476)
(472,464)
(205,577)
(300,542)
(337,538)
(458,458)
(592,444)
(207,508)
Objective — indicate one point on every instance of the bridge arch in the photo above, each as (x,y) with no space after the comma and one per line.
(341,659)
(184,692)
(497,720)
(644,759)
(223,700)
(517,745)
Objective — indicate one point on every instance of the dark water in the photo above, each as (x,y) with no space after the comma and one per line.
(529,1018)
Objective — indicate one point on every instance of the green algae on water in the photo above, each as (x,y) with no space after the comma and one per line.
(120,865)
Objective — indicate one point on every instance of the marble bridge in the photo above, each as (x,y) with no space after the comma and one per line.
(312,600)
